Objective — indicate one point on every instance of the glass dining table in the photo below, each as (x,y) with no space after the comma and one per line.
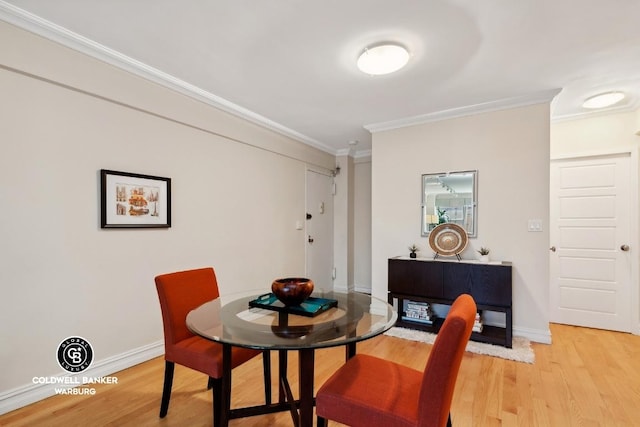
(231,322)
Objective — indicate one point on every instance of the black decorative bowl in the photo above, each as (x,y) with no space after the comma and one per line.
(292,290)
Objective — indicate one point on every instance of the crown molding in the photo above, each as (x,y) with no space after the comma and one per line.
(356,154)
(362,154)
(362,157)
(51,31)
(629,108)
(486,107)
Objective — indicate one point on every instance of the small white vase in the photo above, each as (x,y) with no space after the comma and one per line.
(484,258)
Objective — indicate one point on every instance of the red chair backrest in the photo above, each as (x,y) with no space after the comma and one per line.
(439,378)
(180,293)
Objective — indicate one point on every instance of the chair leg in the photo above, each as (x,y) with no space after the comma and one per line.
(266,364)
(449,420)
(322,422)
(210,383)
(166,391)
(216,388)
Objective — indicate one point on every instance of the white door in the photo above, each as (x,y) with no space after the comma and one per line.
(590,261)
(319,229)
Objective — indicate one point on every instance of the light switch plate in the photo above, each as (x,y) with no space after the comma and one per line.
(534,225)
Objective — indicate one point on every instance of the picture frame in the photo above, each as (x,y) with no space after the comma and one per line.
(132,200)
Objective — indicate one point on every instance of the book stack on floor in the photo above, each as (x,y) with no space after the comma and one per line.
(477,325)
(416,311)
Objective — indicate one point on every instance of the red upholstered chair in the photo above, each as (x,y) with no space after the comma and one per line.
(180,293)
(369,391)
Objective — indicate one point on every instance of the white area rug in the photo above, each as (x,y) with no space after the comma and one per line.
(521,351)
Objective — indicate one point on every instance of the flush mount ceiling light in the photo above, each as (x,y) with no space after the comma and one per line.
(603,100)
(383,59)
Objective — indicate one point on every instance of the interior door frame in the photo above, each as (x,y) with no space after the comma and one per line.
(327,173)
(634,218)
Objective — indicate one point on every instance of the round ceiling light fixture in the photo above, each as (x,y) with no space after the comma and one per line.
(603,100)
(383,58)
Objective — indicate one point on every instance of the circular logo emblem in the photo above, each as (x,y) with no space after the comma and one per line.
(75,354)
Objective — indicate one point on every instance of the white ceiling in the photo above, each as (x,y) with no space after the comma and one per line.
(290,64)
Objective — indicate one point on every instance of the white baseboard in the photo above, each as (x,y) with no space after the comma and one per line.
(340,288)
(533,335)
(349,288)
(363,289)
(31,393)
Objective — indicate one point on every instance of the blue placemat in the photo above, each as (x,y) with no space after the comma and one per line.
(310,307)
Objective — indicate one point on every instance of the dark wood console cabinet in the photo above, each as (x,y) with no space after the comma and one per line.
(440,282)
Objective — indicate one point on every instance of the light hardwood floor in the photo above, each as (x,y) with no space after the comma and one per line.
(587,377)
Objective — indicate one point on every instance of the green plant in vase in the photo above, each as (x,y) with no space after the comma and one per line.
(413,249)
(443,217)
(484,254)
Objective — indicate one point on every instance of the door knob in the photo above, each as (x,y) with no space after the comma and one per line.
(552,248)
(624,248)
(310,239)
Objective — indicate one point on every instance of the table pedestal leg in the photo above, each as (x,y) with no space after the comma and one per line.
(282,373)
(350,350)
(306,374)
(225,398)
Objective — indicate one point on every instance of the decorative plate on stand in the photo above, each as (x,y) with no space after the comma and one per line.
(448,239)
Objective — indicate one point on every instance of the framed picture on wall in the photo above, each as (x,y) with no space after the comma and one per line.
(131,200)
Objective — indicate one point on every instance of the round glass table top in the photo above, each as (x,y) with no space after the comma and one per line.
(232,321)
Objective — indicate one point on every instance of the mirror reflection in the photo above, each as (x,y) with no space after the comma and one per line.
(449,197)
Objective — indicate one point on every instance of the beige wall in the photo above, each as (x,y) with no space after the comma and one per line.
(510,150)
(594,135)
(352,228)
(237,189)
(362,224)
(343,224)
